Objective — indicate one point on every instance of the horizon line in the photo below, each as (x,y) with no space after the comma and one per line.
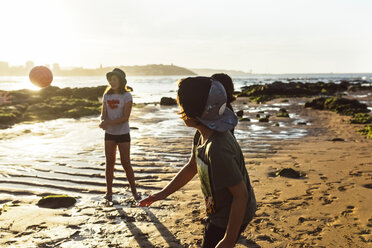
(185,67)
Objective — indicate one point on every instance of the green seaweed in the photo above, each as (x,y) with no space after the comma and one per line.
(278,89)
(241,119)
(51,103)
(339,105)
(361,118)
(56,201)
(367,131)
(263,119)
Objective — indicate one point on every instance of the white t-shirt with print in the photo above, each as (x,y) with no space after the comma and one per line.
(115,109)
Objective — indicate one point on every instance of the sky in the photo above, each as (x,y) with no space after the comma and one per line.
(265,36)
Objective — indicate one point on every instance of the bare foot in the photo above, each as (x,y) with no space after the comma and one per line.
(136,196)
(108,197)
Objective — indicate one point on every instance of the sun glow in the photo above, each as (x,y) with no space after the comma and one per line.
(26,84)
(267,36)
(34,31)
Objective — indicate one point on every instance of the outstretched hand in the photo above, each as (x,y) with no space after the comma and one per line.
(151,199)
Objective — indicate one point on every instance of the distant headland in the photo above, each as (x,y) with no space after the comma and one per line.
(134,70)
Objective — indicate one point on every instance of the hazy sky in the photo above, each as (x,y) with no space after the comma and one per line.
(267,36)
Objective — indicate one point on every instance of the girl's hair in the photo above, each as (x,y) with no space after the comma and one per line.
(122,87)
(227,83)
(192,96)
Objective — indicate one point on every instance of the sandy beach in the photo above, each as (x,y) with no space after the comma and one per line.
(328,207)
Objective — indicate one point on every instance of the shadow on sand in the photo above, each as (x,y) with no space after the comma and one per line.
(170,238)
(142,238)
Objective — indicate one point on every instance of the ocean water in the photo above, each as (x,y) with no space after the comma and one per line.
(152,88)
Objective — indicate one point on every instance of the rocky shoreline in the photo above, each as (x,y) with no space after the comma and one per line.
(53,102)
(278,89)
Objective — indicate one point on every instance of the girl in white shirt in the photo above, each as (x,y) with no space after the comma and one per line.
(116,108)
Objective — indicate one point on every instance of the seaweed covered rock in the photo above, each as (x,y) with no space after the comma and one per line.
(367,131)
(8,114)
(242,119)
(360,87)
(361,118)
(263,119)
(282,113)
(51,103)
(240,113)
(61,107)
(91,93)
(339,105)
(346,107)
(263,93)
(290,173)
(168,101)
(56,201)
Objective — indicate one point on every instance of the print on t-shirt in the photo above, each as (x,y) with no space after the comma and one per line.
(203,174)
(113,104)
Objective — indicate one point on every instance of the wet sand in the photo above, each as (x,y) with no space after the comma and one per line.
(329,207)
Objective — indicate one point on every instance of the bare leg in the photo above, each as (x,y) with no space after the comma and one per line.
(124,149)
(110,151)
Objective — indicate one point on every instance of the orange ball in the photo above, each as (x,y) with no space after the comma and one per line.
(41,76)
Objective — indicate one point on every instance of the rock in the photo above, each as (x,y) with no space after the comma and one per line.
(7,118)
(282,113)
(52,103)
(337,139)
(61,107)
(301,123)
(301,219)
(263,119)
(82,111)
(290,173)
(367,131)
(359,87)
(361,118)
(339,105)
(258,115)
(368,185)
(317,103)
(90,93)
(244,119)
(240,113)
(56,201)
(242,94)
(168,101)
(262,98)
(276,124)
(262,93)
